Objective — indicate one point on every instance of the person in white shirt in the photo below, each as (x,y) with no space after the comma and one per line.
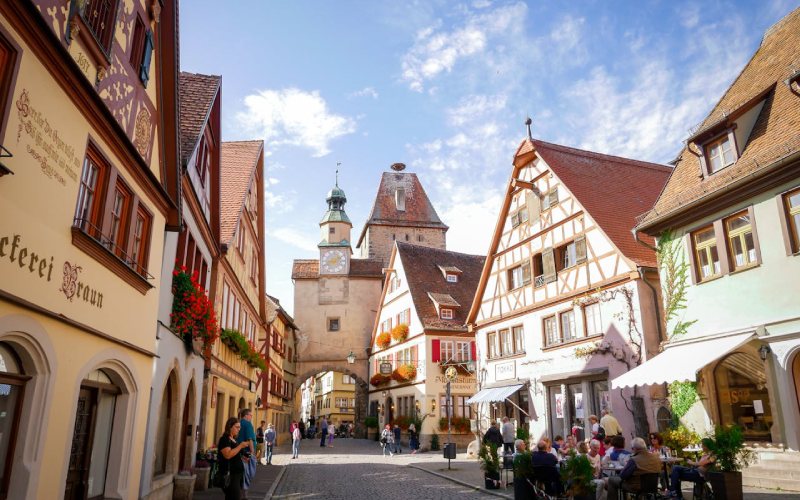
(509,434)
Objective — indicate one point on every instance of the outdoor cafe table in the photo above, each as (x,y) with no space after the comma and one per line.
(611,468)
(695,450)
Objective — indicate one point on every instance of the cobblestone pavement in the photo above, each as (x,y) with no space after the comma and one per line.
(355,469)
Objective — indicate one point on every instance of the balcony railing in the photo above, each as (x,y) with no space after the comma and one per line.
(94,232)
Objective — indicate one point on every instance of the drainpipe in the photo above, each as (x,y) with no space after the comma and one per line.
(650,286)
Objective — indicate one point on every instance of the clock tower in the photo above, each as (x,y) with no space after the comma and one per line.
(334,248)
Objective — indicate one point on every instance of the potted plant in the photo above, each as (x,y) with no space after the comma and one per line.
(523,475)
(490,464)
(577,474)
(435,446)
(371,423)
(202,470)
(731,457)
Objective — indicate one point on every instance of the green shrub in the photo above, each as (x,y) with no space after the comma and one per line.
(727,445)
(679,438)
(490,462)
(577,474)
(371,422)
(523,433)
(435,442)
(682,395)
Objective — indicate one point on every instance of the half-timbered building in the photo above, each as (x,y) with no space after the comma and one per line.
(568,298)
(277,384)
(236,360)
(419,331)
(89,134)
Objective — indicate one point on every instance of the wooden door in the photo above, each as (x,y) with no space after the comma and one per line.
(77,486)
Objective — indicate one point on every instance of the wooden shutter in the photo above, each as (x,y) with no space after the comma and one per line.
(144,71)
(580,249)
(549,265)
(436,355)
(472,351)
(414,355)
(534,203)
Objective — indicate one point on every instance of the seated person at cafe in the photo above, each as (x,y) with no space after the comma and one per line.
(657,445)
(618,442)
(558,442)
(519,447)
(594,456)
(695,473)
(570,446)
(545,467)
(550,448)
(583,448)
(629,478)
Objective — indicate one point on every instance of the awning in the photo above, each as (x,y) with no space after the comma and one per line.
(495,394)
(680,362)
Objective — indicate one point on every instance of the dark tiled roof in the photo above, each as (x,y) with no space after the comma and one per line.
(450,269)
(612,189)
(362,268)
(421,265)
(419,211)
(775,135)
(239,161)
(443,299)
(197,94)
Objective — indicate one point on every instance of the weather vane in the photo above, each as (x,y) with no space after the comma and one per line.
(528,122)
(338,164)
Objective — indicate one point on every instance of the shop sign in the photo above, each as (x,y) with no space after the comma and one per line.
(37,265)
(505,371)
(386,368)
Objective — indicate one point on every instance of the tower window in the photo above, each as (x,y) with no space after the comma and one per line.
(332,230)
(400,199)
(406,237)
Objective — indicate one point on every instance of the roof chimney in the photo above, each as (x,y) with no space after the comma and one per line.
(528,122)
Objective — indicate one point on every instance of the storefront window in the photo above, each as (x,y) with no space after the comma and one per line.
(742,395)
(557,421)
(601,396)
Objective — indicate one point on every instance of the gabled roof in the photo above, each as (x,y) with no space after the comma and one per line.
(425,281)
(239,162)
(612,189)
(274,308)
(775,134)
(419,211)
(197,95)
(361,268)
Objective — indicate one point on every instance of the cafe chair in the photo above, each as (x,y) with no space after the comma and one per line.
(649,488)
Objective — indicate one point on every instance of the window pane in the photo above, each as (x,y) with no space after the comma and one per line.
(550,330)
(568,325)
(738,222)
(715,259)
(519,339)
(505,340)
(750,246)
(794,199)
(704,236)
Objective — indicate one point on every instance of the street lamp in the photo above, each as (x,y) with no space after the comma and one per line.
(351,358)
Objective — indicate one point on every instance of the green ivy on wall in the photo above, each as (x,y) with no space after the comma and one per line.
(682,395)
(674,281)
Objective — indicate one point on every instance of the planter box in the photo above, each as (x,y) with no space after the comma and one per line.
(726,485)
(203,476)
(183,487)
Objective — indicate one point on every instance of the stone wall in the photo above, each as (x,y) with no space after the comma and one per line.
(379,240)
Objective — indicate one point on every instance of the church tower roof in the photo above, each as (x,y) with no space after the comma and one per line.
(336,200)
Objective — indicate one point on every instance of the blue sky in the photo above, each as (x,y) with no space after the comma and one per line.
(445,88)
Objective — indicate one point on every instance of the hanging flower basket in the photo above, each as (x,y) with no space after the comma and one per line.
(192,317)
(400,332)
(405,373)
(247,351)
(383,340)
(379,379)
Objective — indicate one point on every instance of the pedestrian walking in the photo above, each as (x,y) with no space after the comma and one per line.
(296,437)
(413,439)
(331,435)
(302,426)
(493,436)
(397,448)
(230,461)
(323,424)
(610,423)
(247,434)
(269,440)
(509,434)
(260,441)
(350,428)
(387,440)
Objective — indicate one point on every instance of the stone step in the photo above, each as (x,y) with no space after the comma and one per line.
(783,471)
(771,483)
(792,457)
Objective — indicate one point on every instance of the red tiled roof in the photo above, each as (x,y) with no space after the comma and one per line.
(197,94)
(613,190)
(421,265)
(419,211)
(239,161)
(443,299)
(361,268)
(775,134)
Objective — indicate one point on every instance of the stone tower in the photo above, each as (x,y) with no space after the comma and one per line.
(402,212)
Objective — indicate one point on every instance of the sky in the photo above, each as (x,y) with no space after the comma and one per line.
(445,87)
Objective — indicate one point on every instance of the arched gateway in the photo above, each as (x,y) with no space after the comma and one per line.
(335,300)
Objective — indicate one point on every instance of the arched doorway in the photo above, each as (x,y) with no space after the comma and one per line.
(187,429)
(388,411)
(12,390)
(91,439)
(796,377)
(334,392)
(165,432)
(742,395)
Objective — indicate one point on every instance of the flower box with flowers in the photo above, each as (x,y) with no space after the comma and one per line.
(379,379)
(460,425)
(247,350)
(404,373)
(400,332)
(383,340)
(192,317)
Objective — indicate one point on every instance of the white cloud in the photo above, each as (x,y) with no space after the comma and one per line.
(568,39)
(295,238)
(689,15)
(471,218)
(474,107)
(293,117)
(435,52)
(365,92)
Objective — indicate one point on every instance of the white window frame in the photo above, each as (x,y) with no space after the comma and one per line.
(446,313)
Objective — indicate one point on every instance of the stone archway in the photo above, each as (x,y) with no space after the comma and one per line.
(309,369)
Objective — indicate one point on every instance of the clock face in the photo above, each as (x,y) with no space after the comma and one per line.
(451,373)
(333,261)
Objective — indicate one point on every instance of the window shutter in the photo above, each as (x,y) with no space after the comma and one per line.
(534,203)
(472,351)
(147,55)
(549,265)
(436,355)
(580,249)
(414,355)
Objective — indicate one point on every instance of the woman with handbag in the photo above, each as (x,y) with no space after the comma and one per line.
(387,440)
(230,470)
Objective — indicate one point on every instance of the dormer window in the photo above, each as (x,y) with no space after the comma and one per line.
(720,153)
(446,313)
(452,278)
(400,199)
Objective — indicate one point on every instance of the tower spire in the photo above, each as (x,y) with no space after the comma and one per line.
(528,122)
(338,164)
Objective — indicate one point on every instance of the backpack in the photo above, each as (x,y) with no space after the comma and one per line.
(601,433)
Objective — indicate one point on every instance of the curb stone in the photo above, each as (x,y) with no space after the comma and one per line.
(462,483)
(276,483)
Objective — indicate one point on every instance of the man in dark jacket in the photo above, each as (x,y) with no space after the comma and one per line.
(545,468)
(640,462)
(493,436)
